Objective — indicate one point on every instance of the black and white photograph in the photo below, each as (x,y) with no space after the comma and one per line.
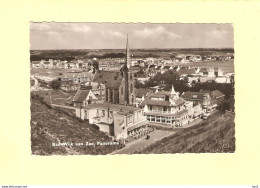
(131,88)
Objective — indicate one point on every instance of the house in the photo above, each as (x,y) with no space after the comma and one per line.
(119,121)
(141,94)
(217,97)
(98,89)
(48,64)
(218,72)
(68,86)
(222,80)
(204,99)
(77,77)
(166,107)
(83,98)
(186,72)
(35,64)
(203,79)
(207,71)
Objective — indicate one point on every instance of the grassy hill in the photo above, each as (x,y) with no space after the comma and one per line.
(57,125)
(217,136)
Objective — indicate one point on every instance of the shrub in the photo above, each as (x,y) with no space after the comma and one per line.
(55,84)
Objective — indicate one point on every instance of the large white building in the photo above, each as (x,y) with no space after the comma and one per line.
(119,121)
(168,108)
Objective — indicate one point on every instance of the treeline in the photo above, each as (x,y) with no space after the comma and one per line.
(51,56)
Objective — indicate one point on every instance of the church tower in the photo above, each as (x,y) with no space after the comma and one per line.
(128,87)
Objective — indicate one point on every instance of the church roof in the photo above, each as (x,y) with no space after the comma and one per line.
(111,79)
(140,92)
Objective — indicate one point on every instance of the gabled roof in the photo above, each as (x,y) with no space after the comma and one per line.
(187,71)
(204,91)
(193,95)
(81,95)
(140,92)
(217,93)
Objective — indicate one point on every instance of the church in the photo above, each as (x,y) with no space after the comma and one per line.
(120,85)
(117,115)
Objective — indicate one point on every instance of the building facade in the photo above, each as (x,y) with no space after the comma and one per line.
(120,121)
(166,107)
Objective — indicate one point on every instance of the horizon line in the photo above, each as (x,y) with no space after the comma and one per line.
(131,48)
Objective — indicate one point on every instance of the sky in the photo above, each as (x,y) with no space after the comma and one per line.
(53,35)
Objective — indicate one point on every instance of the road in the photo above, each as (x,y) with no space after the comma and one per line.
(35,86)
(63,106)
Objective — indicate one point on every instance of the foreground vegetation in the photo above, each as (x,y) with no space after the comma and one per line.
(213,136)
(50,125)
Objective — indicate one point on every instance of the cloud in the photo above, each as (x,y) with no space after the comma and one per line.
(112,34)
(218,33)
(157,31)
(80,28)
(40,26)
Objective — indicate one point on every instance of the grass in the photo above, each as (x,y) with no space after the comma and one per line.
(217,136)
(53,73)
(57,125)
(57,97)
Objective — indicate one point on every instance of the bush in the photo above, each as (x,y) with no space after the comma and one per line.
(55,84)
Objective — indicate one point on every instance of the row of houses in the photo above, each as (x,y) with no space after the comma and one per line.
(58,64)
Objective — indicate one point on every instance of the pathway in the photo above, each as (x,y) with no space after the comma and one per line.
(63,106)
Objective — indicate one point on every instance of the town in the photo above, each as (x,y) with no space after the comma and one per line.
(130,98)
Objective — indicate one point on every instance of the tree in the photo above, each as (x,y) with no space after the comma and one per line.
(55,84)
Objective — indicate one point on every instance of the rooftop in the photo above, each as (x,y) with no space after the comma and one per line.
(81,95)
(115,107)
(112,79)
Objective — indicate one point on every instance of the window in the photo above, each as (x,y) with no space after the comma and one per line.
(131,88)
(103,113)
(165,108)
(151,108)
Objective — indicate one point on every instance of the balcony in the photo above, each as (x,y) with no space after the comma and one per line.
(159,111)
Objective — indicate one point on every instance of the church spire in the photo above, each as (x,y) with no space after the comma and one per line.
(127,53)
